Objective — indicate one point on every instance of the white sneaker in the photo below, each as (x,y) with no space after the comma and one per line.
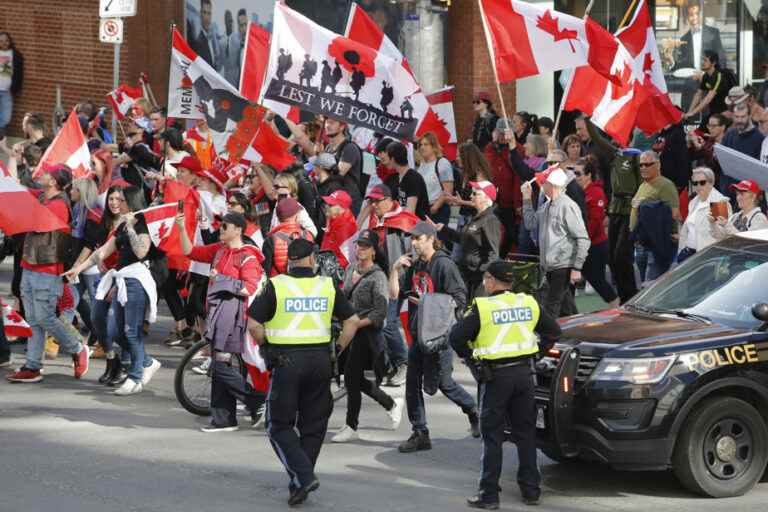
(396,412)
(203,368)
(129,387)
(345,435)
(150,372)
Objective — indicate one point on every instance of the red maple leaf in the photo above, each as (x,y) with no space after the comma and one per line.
(548,24)
(647,62)
(162,230)
(14,317)
(624,79)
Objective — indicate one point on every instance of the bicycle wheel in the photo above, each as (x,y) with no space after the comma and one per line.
(192,382)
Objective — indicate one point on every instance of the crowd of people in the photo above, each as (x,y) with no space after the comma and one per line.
(396,222)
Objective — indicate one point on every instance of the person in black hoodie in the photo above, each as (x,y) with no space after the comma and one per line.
(429,270)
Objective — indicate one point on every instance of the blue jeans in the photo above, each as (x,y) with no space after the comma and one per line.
(128,321)
(414,396)
(103,321)
(6,108)
(396,347)
(40,292)
(646,262)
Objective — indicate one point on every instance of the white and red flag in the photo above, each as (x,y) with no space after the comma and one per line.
(442,104)
(529,39)
(123,98)
(160,221)
(326,73)
(21,212)
(255,59)
(14,324)
(269,148)
(174,192)
(639,99)
(362,29)
(70,148)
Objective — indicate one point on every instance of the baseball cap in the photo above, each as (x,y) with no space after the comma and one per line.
(554,175)
(286,208)
(487,188)
(300,248)
(379,192)
(236,219)
(368,237)
(190,163)
(61,174)
(501,270)
(338,198)
(423,228)
(503,124)
(746,186)
(482,96)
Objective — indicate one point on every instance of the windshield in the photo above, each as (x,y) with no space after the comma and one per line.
(721,283)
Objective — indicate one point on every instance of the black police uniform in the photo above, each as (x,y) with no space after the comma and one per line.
(508,396)
(300,392)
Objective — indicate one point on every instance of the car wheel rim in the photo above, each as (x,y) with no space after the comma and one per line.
(728,449)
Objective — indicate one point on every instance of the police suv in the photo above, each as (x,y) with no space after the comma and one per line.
(676,378)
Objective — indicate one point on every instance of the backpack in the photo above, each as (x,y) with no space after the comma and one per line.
(362,181)
(457,175)
(729,79)
(328,265)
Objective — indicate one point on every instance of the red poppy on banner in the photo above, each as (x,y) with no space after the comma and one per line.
(353,56)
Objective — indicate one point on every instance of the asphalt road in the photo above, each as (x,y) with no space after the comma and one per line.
(72,446)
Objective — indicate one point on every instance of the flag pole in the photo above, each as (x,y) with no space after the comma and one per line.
(626,14)
(493,63)
(567,88)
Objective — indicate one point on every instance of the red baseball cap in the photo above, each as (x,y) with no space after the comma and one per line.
(482,96)
(486,187)
(338,198)
(190,163)
(746,186)
(379,192)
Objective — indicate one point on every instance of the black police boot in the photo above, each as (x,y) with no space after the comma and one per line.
(478,501)
(300,494)
(474,423)
(417,442)
(111,371)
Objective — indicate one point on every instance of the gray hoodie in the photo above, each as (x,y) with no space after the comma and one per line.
(563,238)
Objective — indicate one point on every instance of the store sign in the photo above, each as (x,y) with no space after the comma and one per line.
(117,8)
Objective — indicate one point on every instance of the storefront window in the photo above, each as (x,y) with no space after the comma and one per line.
(755,39)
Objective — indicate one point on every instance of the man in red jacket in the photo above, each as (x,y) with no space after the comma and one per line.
(342,227)
(41,283)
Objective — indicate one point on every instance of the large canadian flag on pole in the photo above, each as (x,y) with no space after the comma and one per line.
(322,72)
(640,99)
(442,104)
(69,147)
(529,39)
(362,29)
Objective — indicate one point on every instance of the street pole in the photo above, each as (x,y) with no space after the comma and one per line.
(115,85)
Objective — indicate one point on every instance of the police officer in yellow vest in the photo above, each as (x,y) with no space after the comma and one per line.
(502,334)
(291,322)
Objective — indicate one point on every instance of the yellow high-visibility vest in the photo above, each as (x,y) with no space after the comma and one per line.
(507,323)
(304,310)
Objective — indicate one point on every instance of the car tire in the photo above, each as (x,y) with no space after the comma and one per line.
(723,448)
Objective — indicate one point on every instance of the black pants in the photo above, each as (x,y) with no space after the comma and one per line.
(509,397)
(5,348)
(360,357)
(558,294)
(300,399)
(227,387)
(621,256)
(170,292)
(594,271)
(195,306)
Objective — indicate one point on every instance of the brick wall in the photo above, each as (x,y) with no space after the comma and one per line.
(60,44)
(469,66)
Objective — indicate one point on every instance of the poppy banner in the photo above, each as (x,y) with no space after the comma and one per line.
(322,72)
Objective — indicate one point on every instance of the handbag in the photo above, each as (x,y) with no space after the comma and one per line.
(436,316)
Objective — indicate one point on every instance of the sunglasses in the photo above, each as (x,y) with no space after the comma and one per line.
(282,196)
(699,183)
(553,162)
(475,102)
(578,174)
(643,165)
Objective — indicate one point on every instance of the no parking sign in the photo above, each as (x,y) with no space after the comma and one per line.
(111,30)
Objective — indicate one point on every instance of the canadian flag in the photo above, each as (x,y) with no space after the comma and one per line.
(160,221)
(616,107)
(174,192)
(269,148)
(529,39)
(14,324)
(21,212)
(442,104)
(361,28)
(254,67)
(69,147)
(4,171)
(123,98)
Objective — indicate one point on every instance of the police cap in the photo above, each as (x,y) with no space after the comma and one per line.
(300,248)
(501,270)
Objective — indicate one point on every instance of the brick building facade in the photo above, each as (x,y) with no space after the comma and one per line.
(60,44)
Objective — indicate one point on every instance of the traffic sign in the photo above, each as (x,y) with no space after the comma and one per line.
(117,8)
(111,30)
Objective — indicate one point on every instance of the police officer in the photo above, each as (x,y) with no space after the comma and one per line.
(502,334)
(291,322)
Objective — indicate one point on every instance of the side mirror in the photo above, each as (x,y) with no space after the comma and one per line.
(760,311)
